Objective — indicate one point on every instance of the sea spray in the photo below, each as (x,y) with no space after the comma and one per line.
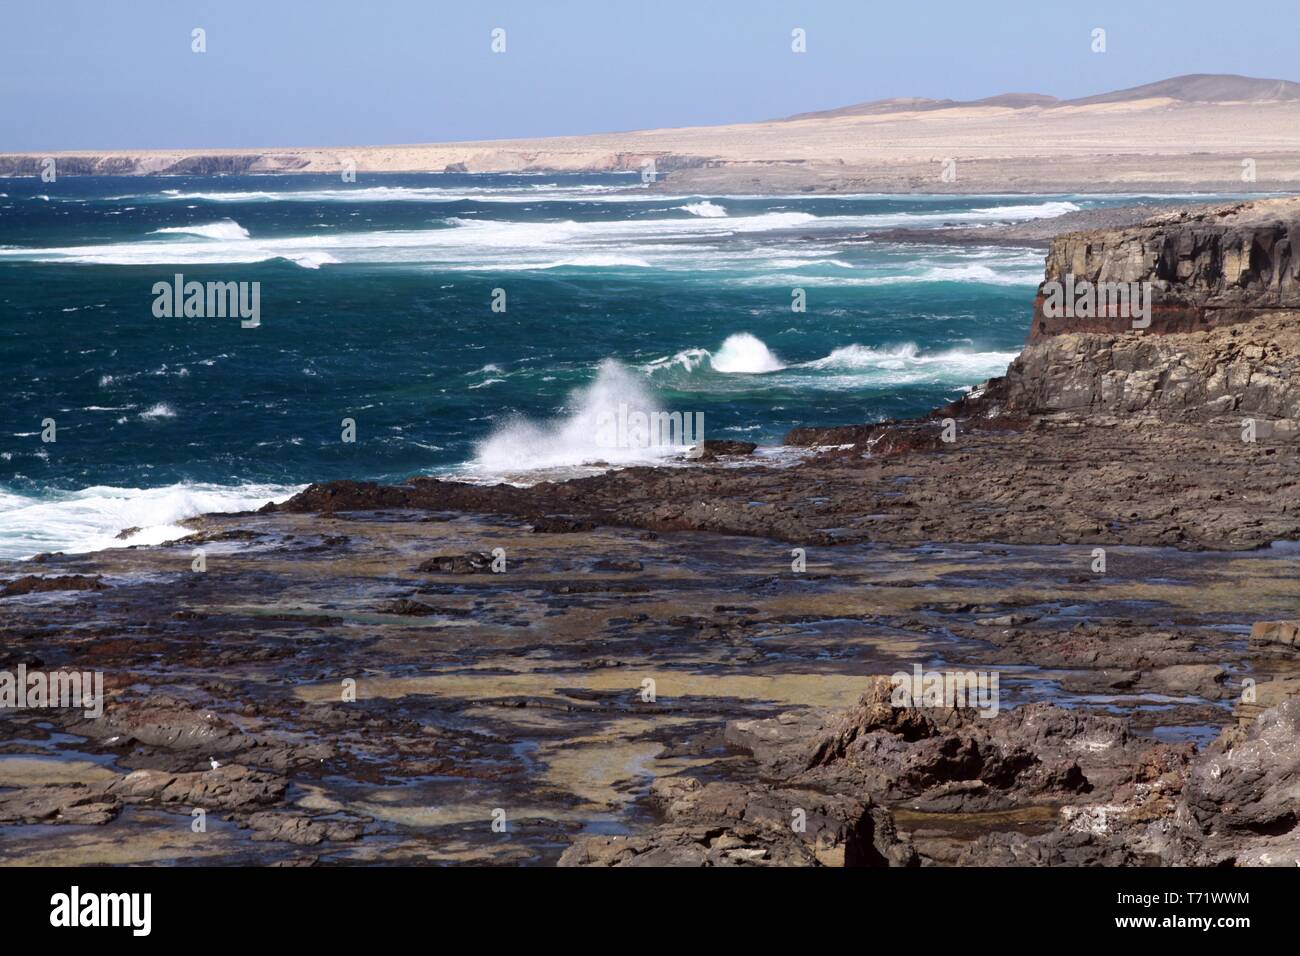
(747,354)
(93,518)
(591,431)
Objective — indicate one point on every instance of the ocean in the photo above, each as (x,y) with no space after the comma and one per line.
(468,325)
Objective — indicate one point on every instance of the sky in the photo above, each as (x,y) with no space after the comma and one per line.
(120,74)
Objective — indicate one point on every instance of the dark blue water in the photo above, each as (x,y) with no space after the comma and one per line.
(376,305)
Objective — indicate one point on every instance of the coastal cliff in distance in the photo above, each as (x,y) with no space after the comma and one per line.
(1224,334)
(1187,132)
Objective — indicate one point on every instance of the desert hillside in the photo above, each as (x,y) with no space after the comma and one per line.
(1192,132)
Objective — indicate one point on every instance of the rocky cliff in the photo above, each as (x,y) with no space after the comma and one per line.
(1206,268)
(1224,333)
(159,164)
(1250,370)
(470,158)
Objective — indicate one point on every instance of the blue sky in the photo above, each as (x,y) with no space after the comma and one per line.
(105,74)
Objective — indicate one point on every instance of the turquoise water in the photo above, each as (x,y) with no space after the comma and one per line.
(376,305)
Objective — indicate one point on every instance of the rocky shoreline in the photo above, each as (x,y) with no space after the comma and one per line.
(689,665)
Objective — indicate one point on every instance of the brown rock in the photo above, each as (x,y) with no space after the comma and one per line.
(33,584)
(58,803)
(1276,632)
(473,562)
(229,787)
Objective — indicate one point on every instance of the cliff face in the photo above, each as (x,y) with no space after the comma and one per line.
(160,164)
(451,159)
(1206,269)
(1224,338)
(1251,369)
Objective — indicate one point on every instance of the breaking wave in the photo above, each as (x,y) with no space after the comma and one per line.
(89,520)
(579,436)
(745,353)
(463,243)
(845,367)
(226,229)
(957,362)
(704,208)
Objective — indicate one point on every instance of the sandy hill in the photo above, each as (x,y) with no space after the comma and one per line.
(1212,133)
(1191,88)
(1203,88)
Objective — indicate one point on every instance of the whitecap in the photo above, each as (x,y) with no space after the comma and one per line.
(745,354)
(705,209)
(155,412)
(225,229)
(855,366)
(89,520)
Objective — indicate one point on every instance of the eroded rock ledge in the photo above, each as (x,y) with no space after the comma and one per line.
(1085,789)
(1207,268)
(1250,369)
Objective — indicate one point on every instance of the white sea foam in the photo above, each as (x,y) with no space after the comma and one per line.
(854,366)
(971,273)
(88,520)
(522,445)
(591,260)
(158,411)
(603,193)
(1042,210)
(740,354)
(851,366)
(460,243)
(746,354)
(687,359)
(705,208)
(905,355)
(226,229)
(310,260)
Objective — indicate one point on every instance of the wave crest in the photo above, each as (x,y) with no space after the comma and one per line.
(705,209)
(89,520)
(745,354)
(226,229)
(522,445)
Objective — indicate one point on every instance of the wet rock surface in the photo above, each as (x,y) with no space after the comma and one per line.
(1194,485)
(695,664)
(35,584)
(681,698)
(727,824)
(1241,801)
